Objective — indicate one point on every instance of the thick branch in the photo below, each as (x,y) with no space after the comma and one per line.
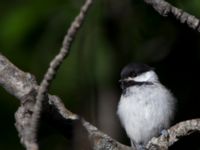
(164,8)
(14,80)
(175,133)
(26,93)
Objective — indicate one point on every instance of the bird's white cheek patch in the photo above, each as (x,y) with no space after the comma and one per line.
(147,76)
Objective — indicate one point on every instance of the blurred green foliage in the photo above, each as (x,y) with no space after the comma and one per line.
(115,32)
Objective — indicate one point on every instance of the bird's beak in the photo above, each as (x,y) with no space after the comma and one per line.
(126,80)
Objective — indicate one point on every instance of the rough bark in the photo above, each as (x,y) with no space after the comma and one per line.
(51,73)
(24,87)
(164,8)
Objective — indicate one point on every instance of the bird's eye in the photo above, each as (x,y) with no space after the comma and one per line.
(133,74)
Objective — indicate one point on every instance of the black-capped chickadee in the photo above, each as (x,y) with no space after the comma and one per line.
(146,107)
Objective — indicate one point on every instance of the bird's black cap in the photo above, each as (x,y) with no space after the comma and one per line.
(134,69)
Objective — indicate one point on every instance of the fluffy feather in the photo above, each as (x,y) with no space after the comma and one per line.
(145,110)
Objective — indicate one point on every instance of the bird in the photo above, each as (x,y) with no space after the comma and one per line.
(146,107)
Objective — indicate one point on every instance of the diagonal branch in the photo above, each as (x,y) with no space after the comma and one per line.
(164,8)
(175,133)
(52,70)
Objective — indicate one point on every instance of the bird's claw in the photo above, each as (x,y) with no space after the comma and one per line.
(165,133)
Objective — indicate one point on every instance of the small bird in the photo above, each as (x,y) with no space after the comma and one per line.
(146,107)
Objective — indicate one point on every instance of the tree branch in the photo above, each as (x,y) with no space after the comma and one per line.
(57,113)
(175,133)
(23,86)
(15,81)
(164,8)
(52,70)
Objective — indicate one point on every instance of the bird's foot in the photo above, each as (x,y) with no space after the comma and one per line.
(165,133)
(140,147)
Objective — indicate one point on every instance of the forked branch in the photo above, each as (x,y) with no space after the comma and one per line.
(24,87)
(52,70)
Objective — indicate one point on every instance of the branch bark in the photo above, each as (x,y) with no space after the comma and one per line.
(24,87)
(31,140)
(175,133)
(164,8)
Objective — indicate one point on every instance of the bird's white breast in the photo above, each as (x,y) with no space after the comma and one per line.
(145,110)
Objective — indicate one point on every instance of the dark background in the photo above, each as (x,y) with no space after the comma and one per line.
(115,33)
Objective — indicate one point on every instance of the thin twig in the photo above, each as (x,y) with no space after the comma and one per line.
(164,8)
(54,65)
